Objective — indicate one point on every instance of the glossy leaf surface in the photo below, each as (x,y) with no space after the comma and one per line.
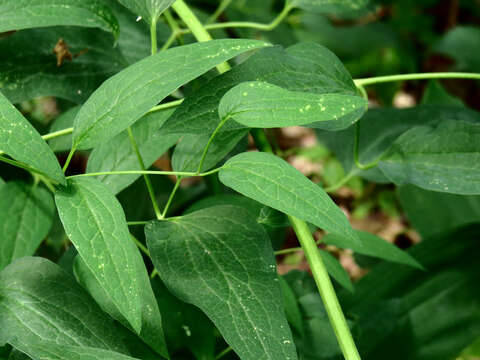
(144,84)
(220,260)
(27,215)
(20,140)
(274,182)
(95,223)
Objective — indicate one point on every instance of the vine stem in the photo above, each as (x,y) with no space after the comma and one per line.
(417,76)
(210,140)
(170,198)
(149,172)
(220,9)
(326,290)
(153,36)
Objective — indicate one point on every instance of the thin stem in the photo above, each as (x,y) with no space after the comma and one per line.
(288,251)
(169,41)
(153,36)
(212,137)
(223,353)
(196,27)
(418,76)
(167,105)
(69,158)
(142,247)
(149,172)
(137,223)
(356,147)
(25,167)
(327,292)
(220,9)
(58,133)
(170,198)
(342,182)
(254,25)
(148,183)
(261,140)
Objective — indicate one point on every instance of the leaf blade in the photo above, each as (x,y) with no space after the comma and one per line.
(150,10)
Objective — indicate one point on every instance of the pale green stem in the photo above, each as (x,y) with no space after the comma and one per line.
(356,147)
(58,133)
(418,76)
(140,245)
(223,353)
(69,158)
(137,223)
(153,36)
(149,172)
(212,137)
(196,27)
(220,9)
(325,287)
(169,41)
(167,105)
(170,198)
(148,183)
(25,167)
(342,182)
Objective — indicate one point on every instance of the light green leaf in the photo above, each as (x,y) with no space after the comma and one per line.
(118,154)
(336,270)
(127,96)
(95,223)
(261,105)
(40,302)
(274,182)
(27,215)
(330,6)
(149,10)
(152,330)
(441,157)
(373,245)
(25,14)
(63,121)
(220,259)
(20,140)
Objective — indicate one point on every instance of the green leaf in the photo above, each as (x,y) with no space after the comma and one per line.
(462,44)
(330,6)
(40,302)
(436,94)
(63,121)
(336,270)
(274,182)
(372,245)
(27,217)
(261,105)
(440,157)
(220,260)
(118,154)
(142,85)
(95,223)
(20,140)
(433,212)
(49,350)
(26,14)
(305,67)
(150,10)
(292,310)
(152,330)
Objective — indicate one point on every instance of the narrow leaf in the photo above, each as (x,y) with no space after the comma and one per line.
(95,223)
(125,97)
(20,140)
(273,182)
(25,14)
(118,153)
(40,302)
(373,245)
(27,215)
(336,270)
(149,10)
(220,259)
(262,105)
(441,157)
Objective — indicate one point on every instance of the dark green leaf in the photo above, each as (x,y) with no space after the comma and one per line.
(274,182)
(440,157)
(25,14)
(372,245)
(95,223)
(433,212)
(27,215)
(462,43)
(220,260)
(64,121)
(40,302)
(150,10)
(435,94)
(118,154)
(20,140)
(292,310)
(330,6)
(262,105)
(142,85)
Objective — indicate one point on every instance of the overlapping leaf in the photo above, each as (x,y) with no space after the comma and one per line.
(63,121)
(118,153)
(25,14)
(220,260)
(273,182)
(262,105)
(20,140)
(95,223)
(330,6)
(27,215)
(150,10)
(144,84)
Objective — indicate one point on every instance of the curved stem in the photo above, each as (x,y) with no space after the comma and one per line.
(26,167)
(149,172)
(205,151)
(170,198)
(327,292)
(356,147)
(418,76)
(342,182)
(220,9)
(167,105)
